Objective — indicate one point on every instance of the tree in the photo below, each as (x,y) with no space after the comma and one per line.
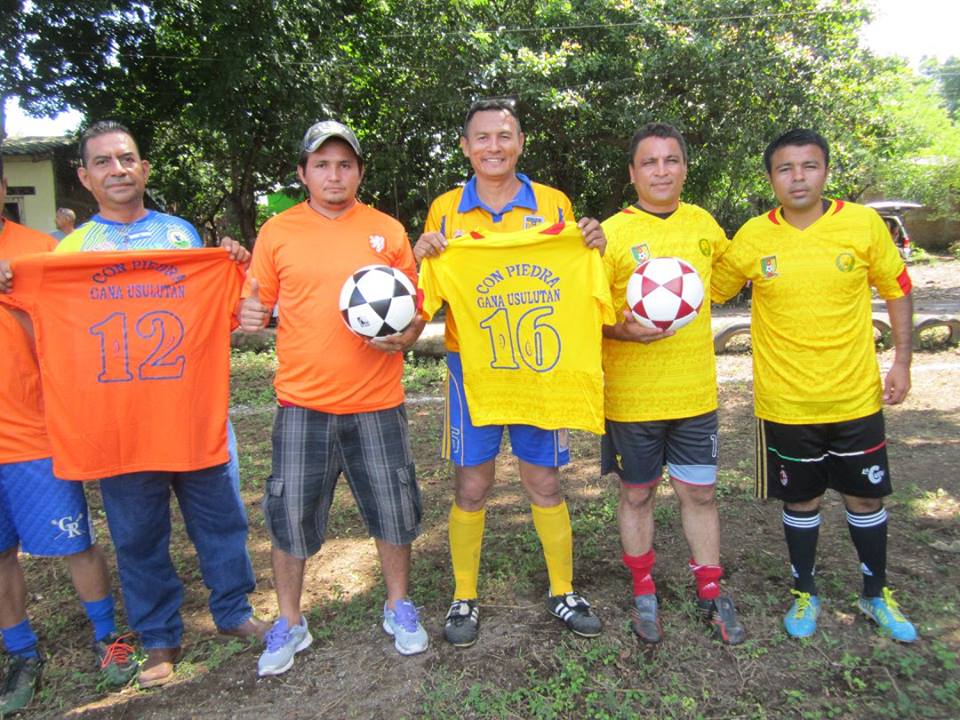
(947,76)
(219,94)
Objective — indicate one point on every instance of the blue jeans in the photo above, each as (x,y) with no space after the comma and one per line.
(137,507)
(233,464)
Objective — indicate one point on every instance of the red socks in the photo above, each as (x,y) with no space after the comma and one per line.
(640,567)
(707,578)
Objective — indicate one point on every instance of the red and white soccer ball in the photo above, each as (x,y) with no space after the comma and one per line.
(378,300)
(665,292)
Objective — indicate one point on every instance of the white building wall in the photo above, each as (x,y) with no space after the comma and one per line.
(38,210)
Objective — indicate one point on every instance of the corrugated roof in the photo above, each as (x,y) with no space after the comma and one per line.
(35,145)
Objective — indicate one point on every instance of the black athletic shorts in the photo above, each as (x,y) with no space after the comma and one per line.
(796,463)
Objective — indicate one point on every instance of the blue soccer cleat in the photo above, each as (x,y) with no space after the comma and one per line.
(801,620)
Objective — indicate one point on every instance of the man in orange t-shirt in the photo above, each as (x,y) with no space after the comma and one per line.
(340,397)
(40,513)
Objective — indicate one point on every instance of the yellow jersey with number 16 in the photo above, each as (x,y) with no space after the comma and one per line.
(530,306)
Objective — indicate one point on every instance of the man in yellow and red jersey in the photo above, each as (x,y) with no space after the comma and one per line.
(499,199)
(660,397)
(817,389)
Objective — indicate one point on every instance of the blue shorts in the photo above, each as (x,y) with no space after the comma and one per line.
(45,515)
(637,451)
(467,444)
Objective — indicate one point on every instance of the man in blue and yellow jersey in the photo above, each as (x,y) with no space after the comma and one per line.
(136,504)
(660,398)
(499,199)
(817,389)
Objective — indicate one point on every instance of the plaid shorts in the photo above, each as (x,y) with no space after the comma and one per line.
(310,449)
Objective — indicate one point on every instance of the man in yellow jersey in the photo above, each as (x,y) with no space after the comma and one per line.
(499,199)
(817,390)
(660,397)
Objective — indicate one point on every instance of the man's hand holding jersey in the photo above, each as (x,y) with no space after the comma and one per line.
(432,244)
(6,276)
(238,253)
(593,236)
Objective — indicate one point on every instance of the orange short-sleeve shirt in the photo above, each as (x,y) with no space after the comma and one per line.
(23,435)
(300,262)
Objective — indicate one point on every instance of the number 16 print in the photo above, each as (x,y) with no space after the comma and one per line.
(534,340)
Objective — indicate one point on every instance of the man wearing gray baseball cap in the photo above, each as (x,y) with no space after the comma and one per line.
(340,397)
(324,130)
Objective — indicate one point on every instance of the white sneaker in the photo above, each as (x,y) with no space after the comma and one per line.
(403,623)
(283,642)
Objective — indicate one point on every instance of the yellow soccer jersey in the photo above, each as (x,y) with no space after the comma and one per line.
(813,351)
(530,306)
(675,377)
(460,210)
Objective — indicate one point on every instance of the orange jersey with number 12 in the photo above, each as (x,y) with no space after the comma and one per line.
(134,351)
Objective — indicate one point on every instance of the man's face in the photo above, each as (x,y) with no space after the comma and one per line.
(332,176)
(797,175)
(493,143)
(113,171)
(63,222)
(658,172)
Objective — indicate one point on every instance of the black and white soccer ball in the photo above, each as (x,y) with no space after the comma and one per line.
(377,301)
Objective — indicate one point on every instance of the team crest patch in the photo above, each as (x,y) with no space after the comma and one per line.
(458,233)
(768,266)
(530,221)
(641,253)
(705,247)
(178,238)
(377,242)
(874,474)
(845,262)
(783,477)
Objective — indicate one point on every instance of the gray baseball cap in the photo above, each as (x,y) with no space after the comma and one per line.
(322,131)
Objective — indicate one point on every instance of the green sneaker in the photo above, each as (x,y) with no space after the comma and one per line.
(115,657)
(22,681)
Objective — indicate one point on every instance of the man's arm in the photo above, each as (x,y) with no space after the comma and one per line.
(402,341)
(629,330)
(896,385)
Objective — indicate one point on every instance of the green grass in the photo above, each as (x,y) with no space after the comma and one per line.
(525,665)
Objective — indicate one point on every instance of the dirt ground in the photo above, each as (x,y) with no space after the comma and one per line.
(525,664)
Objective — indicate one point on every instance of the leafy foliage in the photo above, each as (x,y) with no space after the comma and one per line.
(219,94)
